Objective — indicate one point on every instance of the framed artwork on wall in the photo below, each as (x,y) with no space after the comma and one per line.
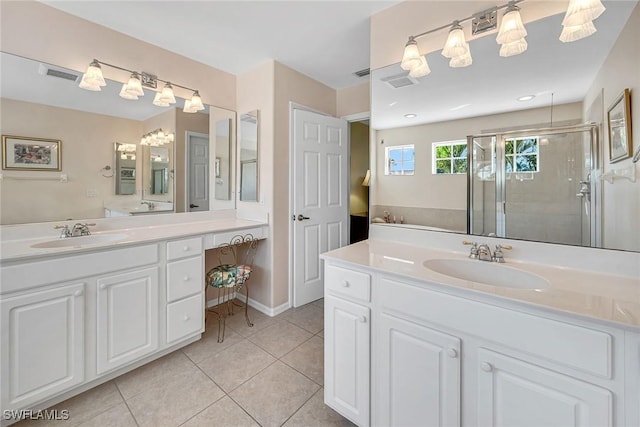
(619,124)
(31,154)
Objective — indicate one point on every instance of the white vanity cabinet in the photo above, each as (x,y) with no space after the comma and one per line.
(347,343)
(185,288)
(454,359)
(127,317)
(41,344)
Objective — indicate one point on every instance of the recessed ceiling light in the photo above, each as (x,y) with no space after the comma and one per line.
(411,116)
(459,107)
(526,98)
(393,103)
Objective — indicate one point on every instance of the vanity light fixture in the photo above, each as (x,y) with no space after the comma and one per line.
(134,88)
(577,24)
(157,138)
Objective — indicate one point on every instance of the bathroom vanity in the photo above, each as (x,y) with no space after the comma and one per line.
(79,311)
(416,333)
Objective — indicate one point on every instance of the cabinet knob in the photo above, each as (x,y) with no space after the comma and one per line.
(185,248)
(363,319)
(345,284)
(187,278)
(186,318)
(78,293)
(103,286)
(453,353)
(485,366)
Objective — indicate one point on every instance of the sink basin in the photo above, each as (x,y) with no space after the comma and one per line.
(488,273)
(79,241)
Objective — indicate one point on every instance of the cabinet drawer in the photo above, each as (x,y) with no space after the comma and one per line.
(184,248)
(576,347)
(184,277)
(349,283)
(185,318)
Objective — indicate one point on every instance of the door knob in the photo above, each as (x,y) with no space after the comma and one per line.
(302,217)
(193,206)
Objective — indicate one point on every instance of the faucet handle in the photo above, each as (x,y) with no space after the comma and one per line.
(58,227)
(507,247)
(473,253)
(498,256)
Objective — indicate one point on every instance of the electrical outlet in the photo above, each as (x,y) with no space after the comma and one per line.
(92,193)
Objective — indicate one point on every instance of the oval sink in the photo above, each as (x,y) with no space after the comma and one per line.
(488,273)
(79,241)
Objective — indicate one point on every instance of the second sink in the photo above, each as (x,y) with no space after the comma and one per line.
(487,273)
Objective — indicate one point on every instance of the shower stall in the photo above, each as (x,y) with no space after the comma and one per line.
(535,184)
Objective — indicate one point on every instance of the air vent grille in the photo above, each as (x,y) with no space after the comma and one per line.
(47,70)
(399,80)
(363,73)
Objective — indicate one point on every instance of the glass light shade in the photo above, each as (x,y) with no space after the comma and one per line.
(157,101)
(196,102)
(514,48)
(577,32)
(89,86)
(167,96)
(187,107)
(421,70)
(456,44)
(461,61)
(511,27)
(134,85)
(367,179)
(126,95)
(171,137)
(581,12)
(93,76)
(411,57)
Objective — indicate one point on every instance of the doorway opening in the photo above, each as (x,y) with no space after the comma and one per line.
(359,180)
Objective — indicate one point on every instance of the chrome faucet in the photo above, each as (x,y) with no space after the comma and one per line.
(64,231)
(80,229)
(150,204)
(498,256)
(483,252)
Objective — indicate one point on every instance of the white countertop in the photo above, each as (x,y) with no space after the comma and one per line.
(19,249)
(604,297)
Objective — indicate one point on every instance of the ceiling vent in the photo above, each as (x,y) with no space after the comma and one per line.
(400,80)
(363,73)
(48,70)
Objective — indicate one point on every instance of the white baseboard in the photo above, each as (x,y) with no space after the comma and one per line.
(271,312)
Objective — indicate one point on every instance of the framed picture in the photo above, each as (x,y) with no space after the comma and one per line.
(32,154)
(619,123)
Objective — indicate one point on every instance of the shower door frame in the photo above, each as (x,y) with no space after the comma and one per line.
(595,158)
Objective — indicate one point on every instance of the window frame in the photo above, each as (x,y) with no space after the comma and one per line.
(403,171)
(434,159)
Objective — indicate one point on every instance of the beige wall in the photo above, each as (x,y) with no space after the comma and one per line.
(167,122)
(359,140)
(353,100)
(388,36)
(40,32)
(426,190)
(87,147)
(621,229)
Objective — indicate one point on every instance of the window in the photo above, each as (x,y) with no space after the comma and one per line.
(400,160)
(521,154)
(449,157)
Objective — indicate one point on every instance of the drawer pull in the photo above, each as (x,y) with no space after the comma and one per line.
(345,284)
(187,278)
(186,318)
(185,248)
(485,366)
(363,319)
(453,353)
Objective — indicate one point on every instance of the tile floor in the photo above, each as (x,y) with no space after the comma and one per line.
(267,375)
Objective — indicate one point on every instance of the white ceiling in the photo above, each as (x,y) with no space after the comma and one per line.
(492,84)
(326,40)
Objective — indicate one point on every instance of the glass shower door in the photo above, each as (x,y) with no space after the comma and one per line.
(481,188)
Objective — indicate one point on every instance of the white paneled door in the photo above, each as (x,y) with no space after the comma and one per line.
(198,172)
(320,186)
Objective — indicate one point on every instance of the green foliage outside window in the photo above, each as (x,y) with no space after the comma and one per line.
(450,157)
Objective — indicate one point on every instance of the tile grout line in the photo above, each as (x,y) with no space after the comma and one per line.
(301,406)
(135,420)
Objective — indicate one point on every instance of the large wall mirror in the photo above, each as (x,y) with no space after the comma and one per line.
(41,100)
(500,147)
(249,135)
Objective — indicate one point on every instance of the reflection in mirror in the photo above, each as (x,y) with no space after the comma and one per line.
(223,161)
(249,124)
(125,170)
(542,184)
(158,174)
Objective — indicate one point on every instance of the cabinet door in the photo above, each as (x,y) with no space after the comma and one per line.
(346,359)
(417,375)
(127,318)
(515,393)
(42,345)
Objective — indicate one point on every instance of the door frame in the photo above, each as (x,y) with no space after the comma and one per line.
(349,118)
(187,170)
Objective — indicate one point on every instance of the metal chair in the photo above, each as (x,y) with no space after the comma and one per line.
(230,277)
